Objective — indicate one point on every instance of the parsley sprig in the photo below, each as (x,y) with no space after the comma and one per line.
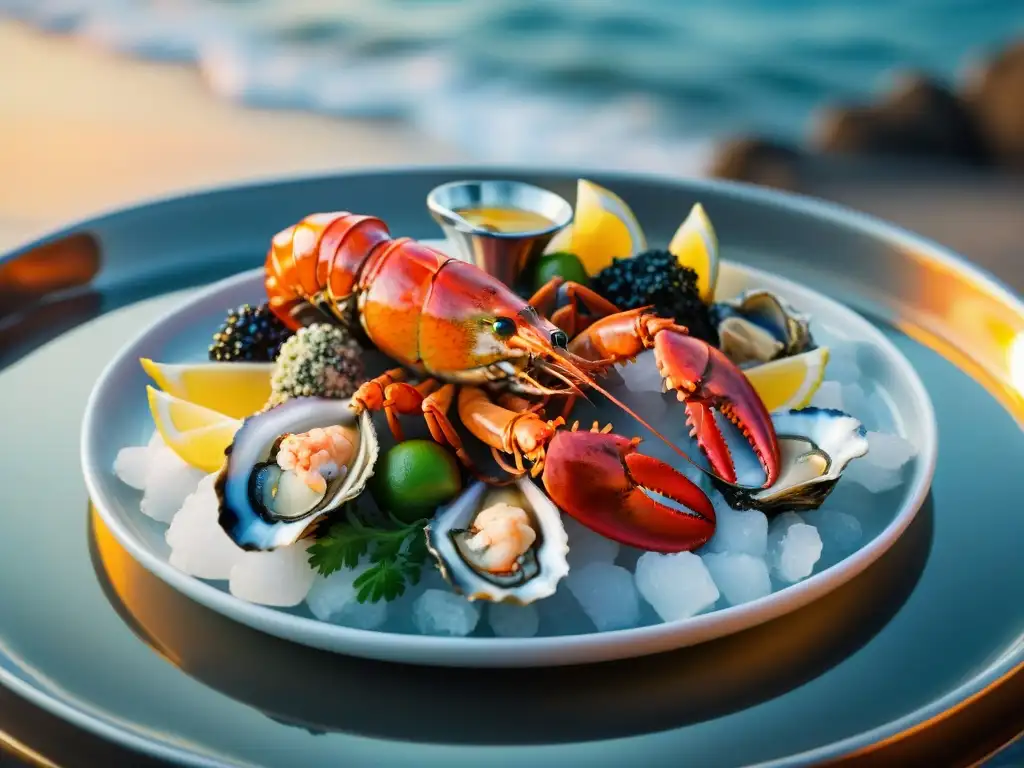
(397,555)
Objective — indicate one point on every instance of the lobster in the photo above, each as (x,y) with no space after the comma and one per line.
(466,338)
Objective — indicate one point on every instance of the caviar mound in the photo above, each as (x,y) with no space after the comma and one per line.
(656,279)
(249,334)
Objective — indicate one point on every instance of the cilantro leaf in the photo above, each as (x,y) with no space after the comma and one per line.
(416,550)
(397,555)
(387,549)
(341,547)
(383,580)
(418,524)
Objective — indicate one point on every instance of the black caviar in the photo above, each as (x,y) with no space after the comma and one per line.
(250,334)
(658,280)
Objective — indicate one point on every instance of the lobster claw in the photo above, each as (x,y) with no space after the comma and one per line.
(605,484)
(705,379)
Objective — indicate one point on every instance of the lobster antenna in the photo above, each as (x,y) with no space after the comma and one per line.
(574,389)
(628,410)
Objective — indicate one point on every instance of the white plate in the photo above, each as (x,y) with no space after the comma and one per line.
(117,416)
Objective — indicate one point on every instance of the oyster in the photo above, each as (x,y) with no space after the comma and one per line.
(815,446)
(759,326)
(289,466)
(500,544)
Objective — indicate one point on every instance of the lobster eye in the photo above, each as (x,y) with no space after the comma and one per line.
(504,327)
(559,339)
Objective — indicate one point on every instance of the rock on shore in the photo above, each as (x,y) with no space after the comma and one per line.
(978,124)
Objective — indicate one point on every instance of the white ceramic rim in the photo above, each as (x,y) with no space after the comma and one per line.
(536,651)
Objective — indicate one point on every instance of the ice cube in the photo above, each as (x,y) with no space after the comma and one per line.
(740,577)
(281,577)
(874,478)
(131,465)
(333,598)
(889,451)
(794,550)
(439,612)
(510,620)
(561,613)
(840,532)
(677,586)
(587,546)
(778,527)
(738,532)
(199,546)
(607,595)
(400,610)
(169,481)
(863,403)
(628,556)
(829,395)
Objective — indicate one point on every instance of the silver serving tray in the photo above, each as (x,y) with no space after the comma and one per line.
(918,652)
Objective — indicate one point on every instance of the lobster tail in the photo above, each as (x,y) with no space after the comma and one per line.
(317,263)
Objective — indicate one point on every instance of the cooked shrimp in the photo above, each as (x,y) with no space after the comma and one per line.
(502,533)
(319,455)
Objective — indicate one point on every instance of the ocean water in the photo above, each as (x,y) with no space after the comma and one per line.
(632,84)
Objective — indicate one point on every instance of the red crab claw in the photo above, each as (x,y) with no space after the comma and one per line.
(704,379)
(604,483)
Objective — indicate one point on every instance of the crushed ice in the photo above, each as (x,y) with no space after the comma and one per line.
(793,547)
(607,594)
(333,598)
(439,612)
(609,587)
(281,577)
(508,620)
(740,577)
(678,586)
(744,532)
(199,546)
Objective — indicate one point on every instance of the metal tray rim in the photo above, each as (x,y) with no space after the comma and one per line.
(998,671)
(818,207)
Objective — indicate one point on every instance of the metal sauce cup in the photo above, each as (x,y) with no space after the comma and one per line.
(501,254)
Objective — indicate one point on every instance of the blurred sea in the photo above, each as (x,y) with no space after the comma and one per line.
(539,80)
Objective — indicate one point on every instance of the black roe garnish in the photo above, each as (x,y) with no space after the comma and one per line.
(249,334)
(656,279)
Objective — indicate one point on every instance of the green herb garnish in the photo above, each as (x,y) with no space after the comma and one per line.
(397,554)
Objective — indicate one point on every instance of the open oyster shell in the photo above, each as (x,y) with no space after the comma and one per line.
(538,570)
(759,326)
(262,506)
(815,444)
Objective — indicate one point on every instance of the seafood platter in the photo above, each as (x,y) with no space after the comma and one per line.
(538,425)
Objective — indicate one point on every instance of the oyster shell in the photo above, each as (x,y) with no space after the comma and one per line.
(536,572)
(815,446)
(759,326)
(262,504)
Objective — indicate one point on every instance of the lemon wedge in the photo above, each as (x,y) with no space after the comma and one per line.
(234,390)
(695,245)
(791,382)
(562,241)
(198,435)
(603,228)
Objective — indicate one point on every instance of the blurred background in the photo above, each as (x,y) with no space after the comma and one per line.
(909,109)
(912,110)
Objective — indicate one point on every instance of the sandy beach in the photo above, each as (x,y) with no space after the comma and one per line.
(83,130)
